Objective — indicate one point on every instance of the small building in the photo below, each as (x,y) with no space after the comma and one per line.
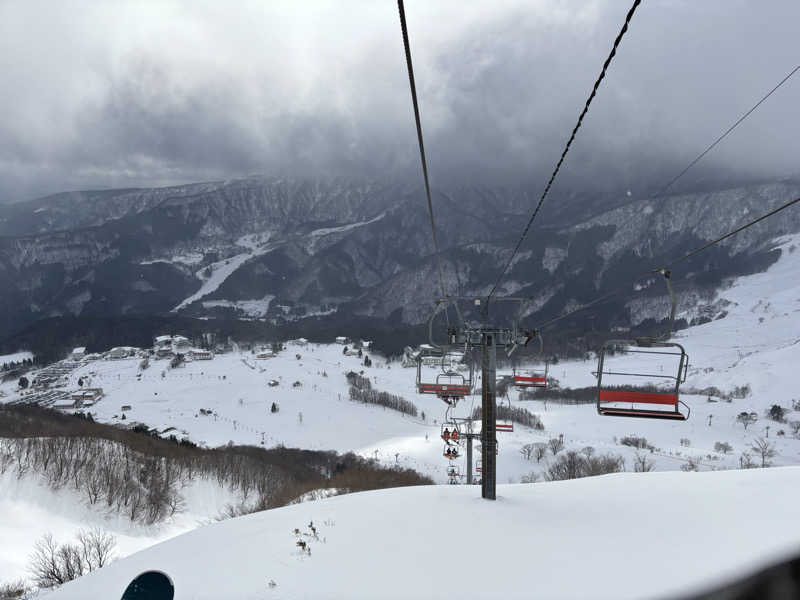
(125,407)
(341,340)
(161,341)
(66,404)
(273,383)
(178,341)
(78,353)
(118,353)
(200,354)
(265,354)
(300,342)
(366,344)
(86,397)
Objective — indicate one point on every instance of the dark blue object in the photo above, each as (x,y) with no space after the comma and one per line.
(150,585)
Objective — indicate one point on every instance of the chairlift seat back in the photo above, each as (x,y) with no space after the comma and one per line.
(626,402)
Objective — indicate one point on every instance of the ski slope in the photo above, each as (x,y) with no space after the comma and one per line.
(652,535)
(223,269)
(756,345)
(31,509)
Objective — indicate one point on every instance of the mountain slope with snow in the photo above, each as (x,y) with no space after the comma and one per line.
(31,509)
(654,535)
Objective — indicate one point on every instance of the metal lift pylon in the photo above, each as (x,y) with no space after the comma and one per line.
(487,338)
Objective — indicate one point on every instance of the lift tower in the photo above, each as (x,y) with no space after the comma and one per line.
(486,338)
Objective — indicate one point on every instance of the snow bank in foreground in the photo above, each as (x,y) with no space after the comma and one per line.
(30,509)
(619,536)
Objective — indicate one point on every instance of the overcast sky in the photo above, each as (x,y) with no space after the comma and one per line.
(130,92)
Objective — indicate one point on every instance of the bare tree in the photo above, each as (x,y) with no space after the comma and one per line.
(692,464)
(746,419)
(96,547)
(723,447)
(556,445)
(45,564)
(765,450)
(641,464)
(569,466)
(539,451)
(52,564)
(746,461)
(526,451)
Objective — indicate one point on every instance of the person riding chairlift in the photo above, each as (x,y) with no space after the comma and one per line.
(454,435)
(446,435)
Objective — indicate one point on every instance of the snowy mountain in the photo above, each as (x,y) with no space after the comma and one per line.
(742,362)
(285,250)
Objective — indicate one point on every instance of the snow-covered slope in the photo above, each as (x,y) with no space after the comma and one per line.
(31,509)
(755,345)
(653,535)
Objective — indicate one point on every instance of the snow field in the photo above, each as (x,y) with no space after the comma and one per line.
(31,509)
(652,535)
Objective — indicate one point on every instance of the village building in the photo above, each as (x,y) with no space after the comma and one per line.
(86,397)
(120,352)
(78,353)
(162,341)
(341,340)
(199,354)
(179,342)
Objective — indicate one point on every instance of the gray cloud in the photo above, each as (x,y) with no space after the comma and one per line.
(148,93)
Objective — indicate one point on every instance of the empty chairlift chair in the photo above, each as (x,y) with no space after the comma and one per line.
(632,393)
(505,424)
(449,385)
(530,379)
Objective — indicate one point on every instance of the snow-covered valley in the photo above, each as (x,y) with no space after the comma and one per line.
(753,348)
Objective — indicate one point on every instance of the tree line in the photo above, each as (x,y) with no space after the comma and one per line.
(361,391)
(140,475)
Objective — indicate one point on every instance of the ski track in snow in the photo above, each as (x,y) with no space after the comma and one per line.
(223,269)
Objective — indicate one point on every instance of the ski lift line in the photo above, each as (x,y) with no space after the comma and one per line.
(418,122)
(724,135)
(546,190)
(670,265)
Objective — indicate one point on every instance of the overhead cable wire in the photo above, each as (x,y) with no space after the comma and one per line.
(671,264)
(724,135)
(413,86)
(546,190)
(681,174)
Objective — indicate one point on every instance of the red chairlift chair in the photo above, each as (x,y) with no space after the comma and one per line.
(631,396)
(660,404)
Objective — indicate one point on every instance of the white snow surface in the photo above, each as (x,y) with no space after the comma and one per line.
(756,344)
(30,509)
(223,269)
(652,535)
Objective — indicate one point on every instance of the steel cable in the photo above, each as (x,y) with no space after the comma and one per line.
(546,191)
